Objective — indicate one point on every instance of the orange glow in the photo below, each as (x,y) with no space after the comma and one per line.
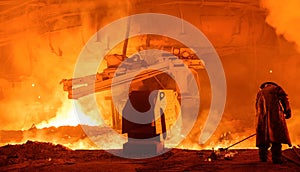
(67,116)
(284,17)
(40,43)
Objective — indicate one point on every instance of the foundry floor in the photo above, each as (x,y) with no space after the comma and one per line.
(41,158)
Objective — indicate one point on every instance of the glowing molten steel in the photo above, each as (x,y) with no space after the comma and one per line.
(67,115)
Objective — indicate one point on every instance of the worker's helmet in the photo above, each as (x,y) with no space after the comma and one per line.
(263,85)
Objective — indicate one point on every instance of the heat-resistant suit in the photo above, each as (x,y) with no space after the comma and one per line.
(272,108)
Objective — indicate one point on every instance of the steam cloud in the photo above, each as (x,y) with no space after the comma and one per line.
(284,16)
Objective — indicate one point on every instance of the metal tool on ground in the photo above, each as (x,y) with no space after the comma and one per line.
(224,149)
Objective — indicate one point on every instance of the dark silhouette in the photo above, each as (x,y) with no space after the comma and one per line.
(272,108)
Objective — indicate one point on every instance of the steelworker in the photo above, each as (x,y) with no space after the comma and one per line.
(272,108)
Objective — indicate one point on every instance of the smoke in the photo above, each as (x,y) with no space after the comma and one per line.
(42,49)
(44,44)
(33,97)
(284,16)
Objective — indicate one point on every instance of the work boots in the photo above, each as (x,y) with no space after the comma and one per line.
(263,153)
(276,153)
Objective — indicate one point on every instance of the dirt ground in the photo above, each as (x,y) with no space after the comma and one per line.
(38,156)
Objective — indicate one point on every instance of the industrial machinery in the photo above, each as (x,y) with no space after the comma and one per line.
(79,87)
(157,96)
(147,116)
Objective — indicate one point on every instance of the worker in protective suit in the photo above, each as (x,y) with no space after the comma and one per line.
(272,108)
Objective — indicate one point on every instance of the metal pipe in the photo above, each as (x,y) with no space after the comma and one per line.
(238,142)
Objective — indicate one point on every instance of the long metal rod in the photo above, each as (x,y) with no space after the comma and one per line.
(241,141)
